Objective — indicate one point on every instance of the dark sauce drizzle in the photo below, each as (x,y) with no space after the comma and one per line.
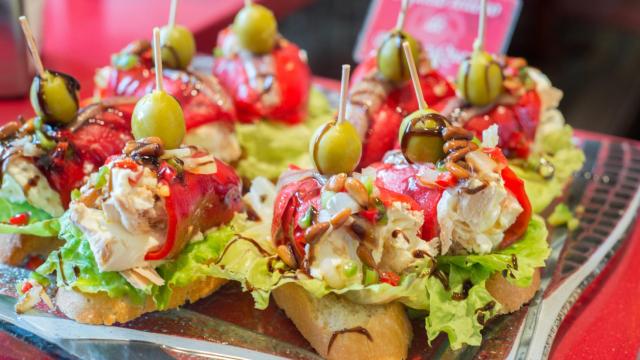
(357,330)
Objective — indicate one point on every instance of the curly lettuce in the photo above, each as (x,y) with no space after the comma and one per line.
(254,264)
(270,146)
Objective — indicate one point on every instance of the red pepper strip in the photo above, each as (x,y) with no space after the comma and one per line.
(292,77)
(389,277)
(197,203)
(20,219)
(292,203)
(516,186)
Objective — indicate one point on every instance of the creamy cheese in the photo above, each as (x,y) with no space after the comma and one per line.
(130,223)
(476,223)
(332,254)
(393,243)
(400,238)
(32,184)
(114,247)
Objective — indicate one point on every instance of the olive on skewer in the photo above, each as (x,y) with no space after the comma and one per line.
(256,28)
(177,42)
(53,95)
(480,76)
(335,146)
(421,132)
(391,59)
(159,114)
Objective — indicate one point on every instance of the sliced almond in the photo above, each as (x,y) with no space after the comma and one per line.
(151,274)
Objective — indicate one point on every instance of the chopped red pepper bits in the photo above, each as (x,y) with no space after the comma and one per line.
(26,286)
(20,219)
(389,277)
(126,164)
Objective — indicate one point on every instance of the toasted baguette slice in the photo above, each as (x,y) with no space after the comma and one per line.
(510,296)
(100,309)
(321,319)
(14,248)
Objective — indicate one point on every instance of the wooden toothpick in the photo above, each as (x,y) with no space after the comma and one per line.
(478,44)
(172,13)
(402,15)
(344,85)
(31,43)
(157,58)
(415,79)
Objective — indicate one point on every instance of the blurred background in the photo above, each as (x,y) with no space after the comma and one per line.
(589,49)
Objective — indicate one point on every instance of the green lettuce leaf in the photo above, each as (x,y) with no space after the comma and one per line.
(40,222)
(562,215)
(530,252)
(461,319)
(270,146)
(254,265)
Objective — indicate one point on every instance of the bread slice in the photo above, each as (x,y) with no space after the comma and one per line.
(322,321)
(100,309)
(15,248)
(510,296)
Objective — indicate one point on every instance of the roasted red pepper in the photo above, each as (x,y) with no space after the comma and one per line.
(401,181)
(202,98)
(102,132)
(292,203)
(290,81)
(515,185)
(197,203)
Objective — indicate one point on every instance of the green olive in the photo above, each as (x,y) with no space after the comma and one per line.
(159,114)
(392,62)
(335,148)
(480,78)
(256,28)
(54,97)
(178,46)
(421,137)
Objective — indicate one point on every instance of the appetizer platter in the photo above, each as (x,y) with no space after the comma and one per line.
(238,209)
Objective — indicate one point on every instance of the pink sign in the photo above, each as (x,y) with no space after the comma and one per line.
(446,28)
